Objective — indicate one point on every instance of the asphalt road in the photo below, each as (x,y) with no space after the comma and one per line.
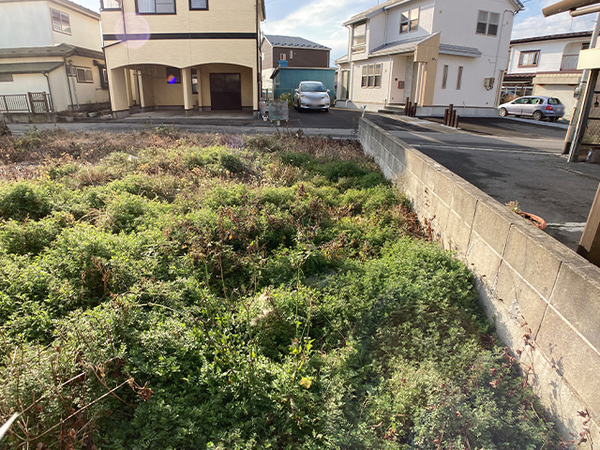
(509,159)
(515,161)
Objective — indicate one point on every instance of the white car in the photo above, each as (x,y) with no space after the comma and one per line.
(311,95)
(535,106)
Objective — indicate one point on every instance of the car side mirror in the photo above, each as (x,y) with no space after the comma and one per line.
(328,91)
(296,91)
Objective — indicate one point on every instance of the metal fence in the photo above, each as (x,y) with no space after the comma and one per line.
(32,102)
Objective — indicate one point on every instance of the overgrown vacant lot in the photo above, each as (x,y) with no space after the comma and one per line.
(162,290)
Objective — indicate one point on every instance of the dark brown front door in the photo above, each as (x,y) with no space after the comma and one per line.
(225,91)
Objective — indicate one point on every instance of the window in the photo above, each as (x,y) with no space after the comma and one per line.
(445,77)
(409,20)
(459,78)
(529,58)
(156,6)
(291,54)
(84,75)
(198,4)
(282,56)
(110,4)
(371,75)
(6,77)
(359,37)
(487,23)
(60,21)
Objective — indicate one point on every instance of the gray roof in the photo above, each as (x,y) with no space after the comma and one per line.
(408,46)
(60,50)
(38,67)
(293,42)
(553,37)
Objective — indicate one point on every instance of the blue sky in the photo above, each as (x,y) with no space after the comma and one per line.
(321,20)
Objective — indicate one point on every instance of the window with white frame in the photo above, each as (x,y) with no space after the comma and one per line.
(488,23)
(60,21)
(359,37)
(371,76)
(155,6)
(459,78)
(409,20)
(283,56)
(84,75)
(529,58)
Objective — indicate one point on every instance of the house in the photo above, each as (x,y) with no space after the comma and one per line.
(51,57)
(295,51)
(431,52)
(182,54)
(546,65)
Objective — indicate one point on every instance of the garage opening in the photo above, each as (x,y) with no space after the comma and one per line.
(225,91)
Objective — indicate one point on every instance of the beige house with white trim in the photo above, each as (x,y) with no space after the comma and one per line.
(433,52)
(182,54)
(52,48)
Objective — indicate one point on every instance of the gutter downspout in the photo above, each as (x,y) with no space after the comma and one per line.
(499,88)
(258,61)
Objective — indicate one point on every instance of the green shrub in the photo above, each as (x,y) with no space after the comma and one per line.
(248,294)
(24,200)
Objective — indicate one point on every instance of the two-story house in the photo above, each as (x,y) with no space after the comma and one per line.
(52,49)
(546,65)
(297,52)
(432,52)
(186,54)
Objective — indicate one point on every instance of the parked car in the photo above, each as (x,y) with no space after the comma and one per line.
(311,95)
(535,106)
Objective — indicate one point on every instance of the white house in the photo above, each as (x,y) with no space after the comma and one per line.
(52,48)
(546,65)
(432,52)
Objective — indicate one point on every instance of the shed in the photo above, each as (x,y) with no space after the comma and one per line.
(285,79)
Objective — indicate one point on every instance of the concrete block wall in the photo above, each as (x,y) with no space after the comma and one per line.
(543,298)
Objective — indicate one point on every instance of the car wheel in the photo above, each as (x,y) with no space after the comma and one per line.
(326,110)
(503,112)
(537,115)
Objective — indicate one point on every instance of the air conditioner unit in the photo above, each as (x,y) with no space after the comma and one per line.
(488,83)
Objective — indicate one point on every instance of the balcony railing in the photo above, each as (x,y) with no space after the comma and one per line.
(569,62)
(32,102)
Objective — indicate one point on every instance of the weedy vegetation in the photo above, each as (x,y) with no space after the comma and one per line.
(164,290)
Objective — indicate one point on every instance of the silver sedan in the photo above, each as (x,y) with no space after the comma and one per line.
(534,106)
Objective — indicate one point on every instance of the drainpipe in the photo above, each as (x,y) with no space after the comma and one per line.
(498,89)
(258,59)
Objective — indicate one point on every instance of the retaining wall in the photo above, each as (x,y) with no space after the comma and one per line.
(543,298)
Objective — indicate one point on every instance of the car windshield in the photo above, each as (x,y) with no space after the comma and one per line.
(313,87)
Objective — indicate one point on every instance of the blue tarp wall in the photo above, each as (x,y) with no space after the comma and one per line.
(285,79)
